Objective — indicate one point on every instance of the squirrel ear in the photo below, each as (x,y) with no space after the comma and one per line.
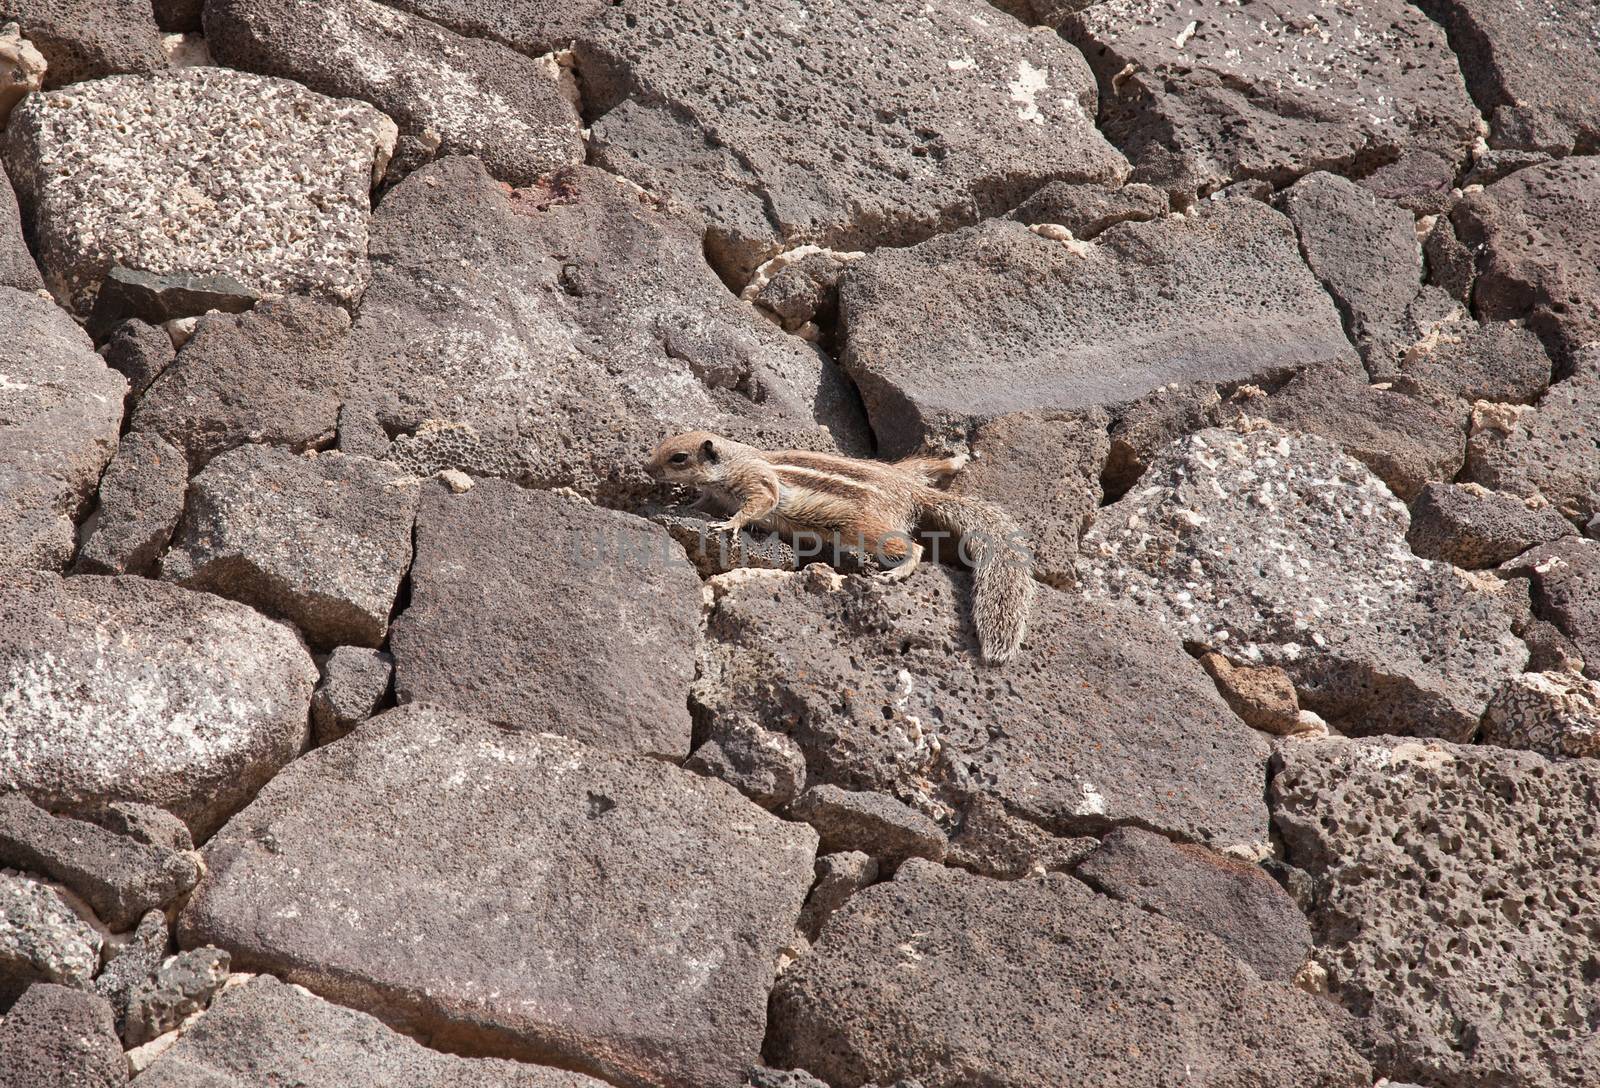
(708,450)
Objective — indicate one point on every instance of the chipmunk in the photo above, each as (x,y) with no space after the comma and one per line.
(876,503)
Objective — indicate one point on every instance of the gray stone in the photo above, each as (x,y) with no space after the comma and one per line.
(1124,997)
(41,939)
(1453,892)
(992,842)
(1406,437)
(140,353)
(844,123)
(1234,901)
(58,1037)
(275,375)
(178,16)
(599,645)
(140,502)
(622,916)
(839,876)
(1145,428)
(132,690)
(1498,360)
(1086,210)
(1546,451)
(144,823)
(873,823)
(132,964)
(1556,714)
(120,878)
(60,410)
(1490,166)
(762,1077)
(87,39)
(1044,468)
(1274,549)
(178,988)
(1204,92)
(319,541)
(354,682)
(128,170)
(1364,251)
(469,96)
(126,293)
(528,26)
(766,767)
(1450,264)
(1421,181)
(1565,578)
(262,1028)
(554,335)
(16,262)
(1473,527)
(1531,68)
(716,551)
(1100,720)
(1026,323)
(1536,257)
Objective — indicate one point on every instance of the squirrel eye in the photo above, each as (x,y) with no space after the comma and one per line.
(679,458)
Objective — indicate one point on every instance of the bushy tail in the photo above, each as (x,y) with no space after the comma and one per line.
(1002,569)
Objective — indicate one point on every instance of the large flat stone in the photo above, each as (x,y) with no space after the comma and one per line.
(844,123)
(1200,93)
(1279,550)
(58,1037)
(554,335)
(954,979)
(276,375)
(264,1024)
(319,541)
(1101,720)
(996,319)
(1454,891)
(1532,68)
(88,39)
(467,96)
(540,612)
(130,170)
(126,689)
(60,410)
(608,913)
(1536,256)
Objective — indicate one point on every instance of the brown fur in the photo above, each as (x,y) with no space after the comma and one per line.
(796,491)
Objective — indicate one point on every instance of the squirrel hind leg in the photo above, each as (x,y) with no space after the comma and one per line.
(934,471)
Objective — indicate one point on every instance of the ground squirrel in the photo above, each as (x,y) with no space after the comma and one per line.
(872,504)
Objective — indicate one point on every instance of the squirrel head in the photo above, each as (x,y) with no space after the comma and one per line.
(693,458)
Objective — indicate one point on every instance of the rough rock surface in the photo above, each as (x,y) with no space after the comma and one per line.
(120,878)
(1553,713)
(141,500)
(766,767)
(997,319)
(130,964)
(126,170)
(41,939)
(174,991)
(139,352)
(553,335)
(88,39)
(276,375)
(600,647)
(873,823)
(528,26)
(839,876)
(60,408)
(1498,360)
(59,1037)
(320,541)
(354,681)
(127,689)
(1532,69)
(16,262)
(790,122)
(1124,996)
(21,73)
(261,1028)
(1101,719)
(1087,210)
(1537,259)
(466,96)
(1473,527)
(1565,579)
(1406,437)
(1548,450)
(1234,901)
(631,929)
(1200,93)
(1375,639)
(1446,876)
